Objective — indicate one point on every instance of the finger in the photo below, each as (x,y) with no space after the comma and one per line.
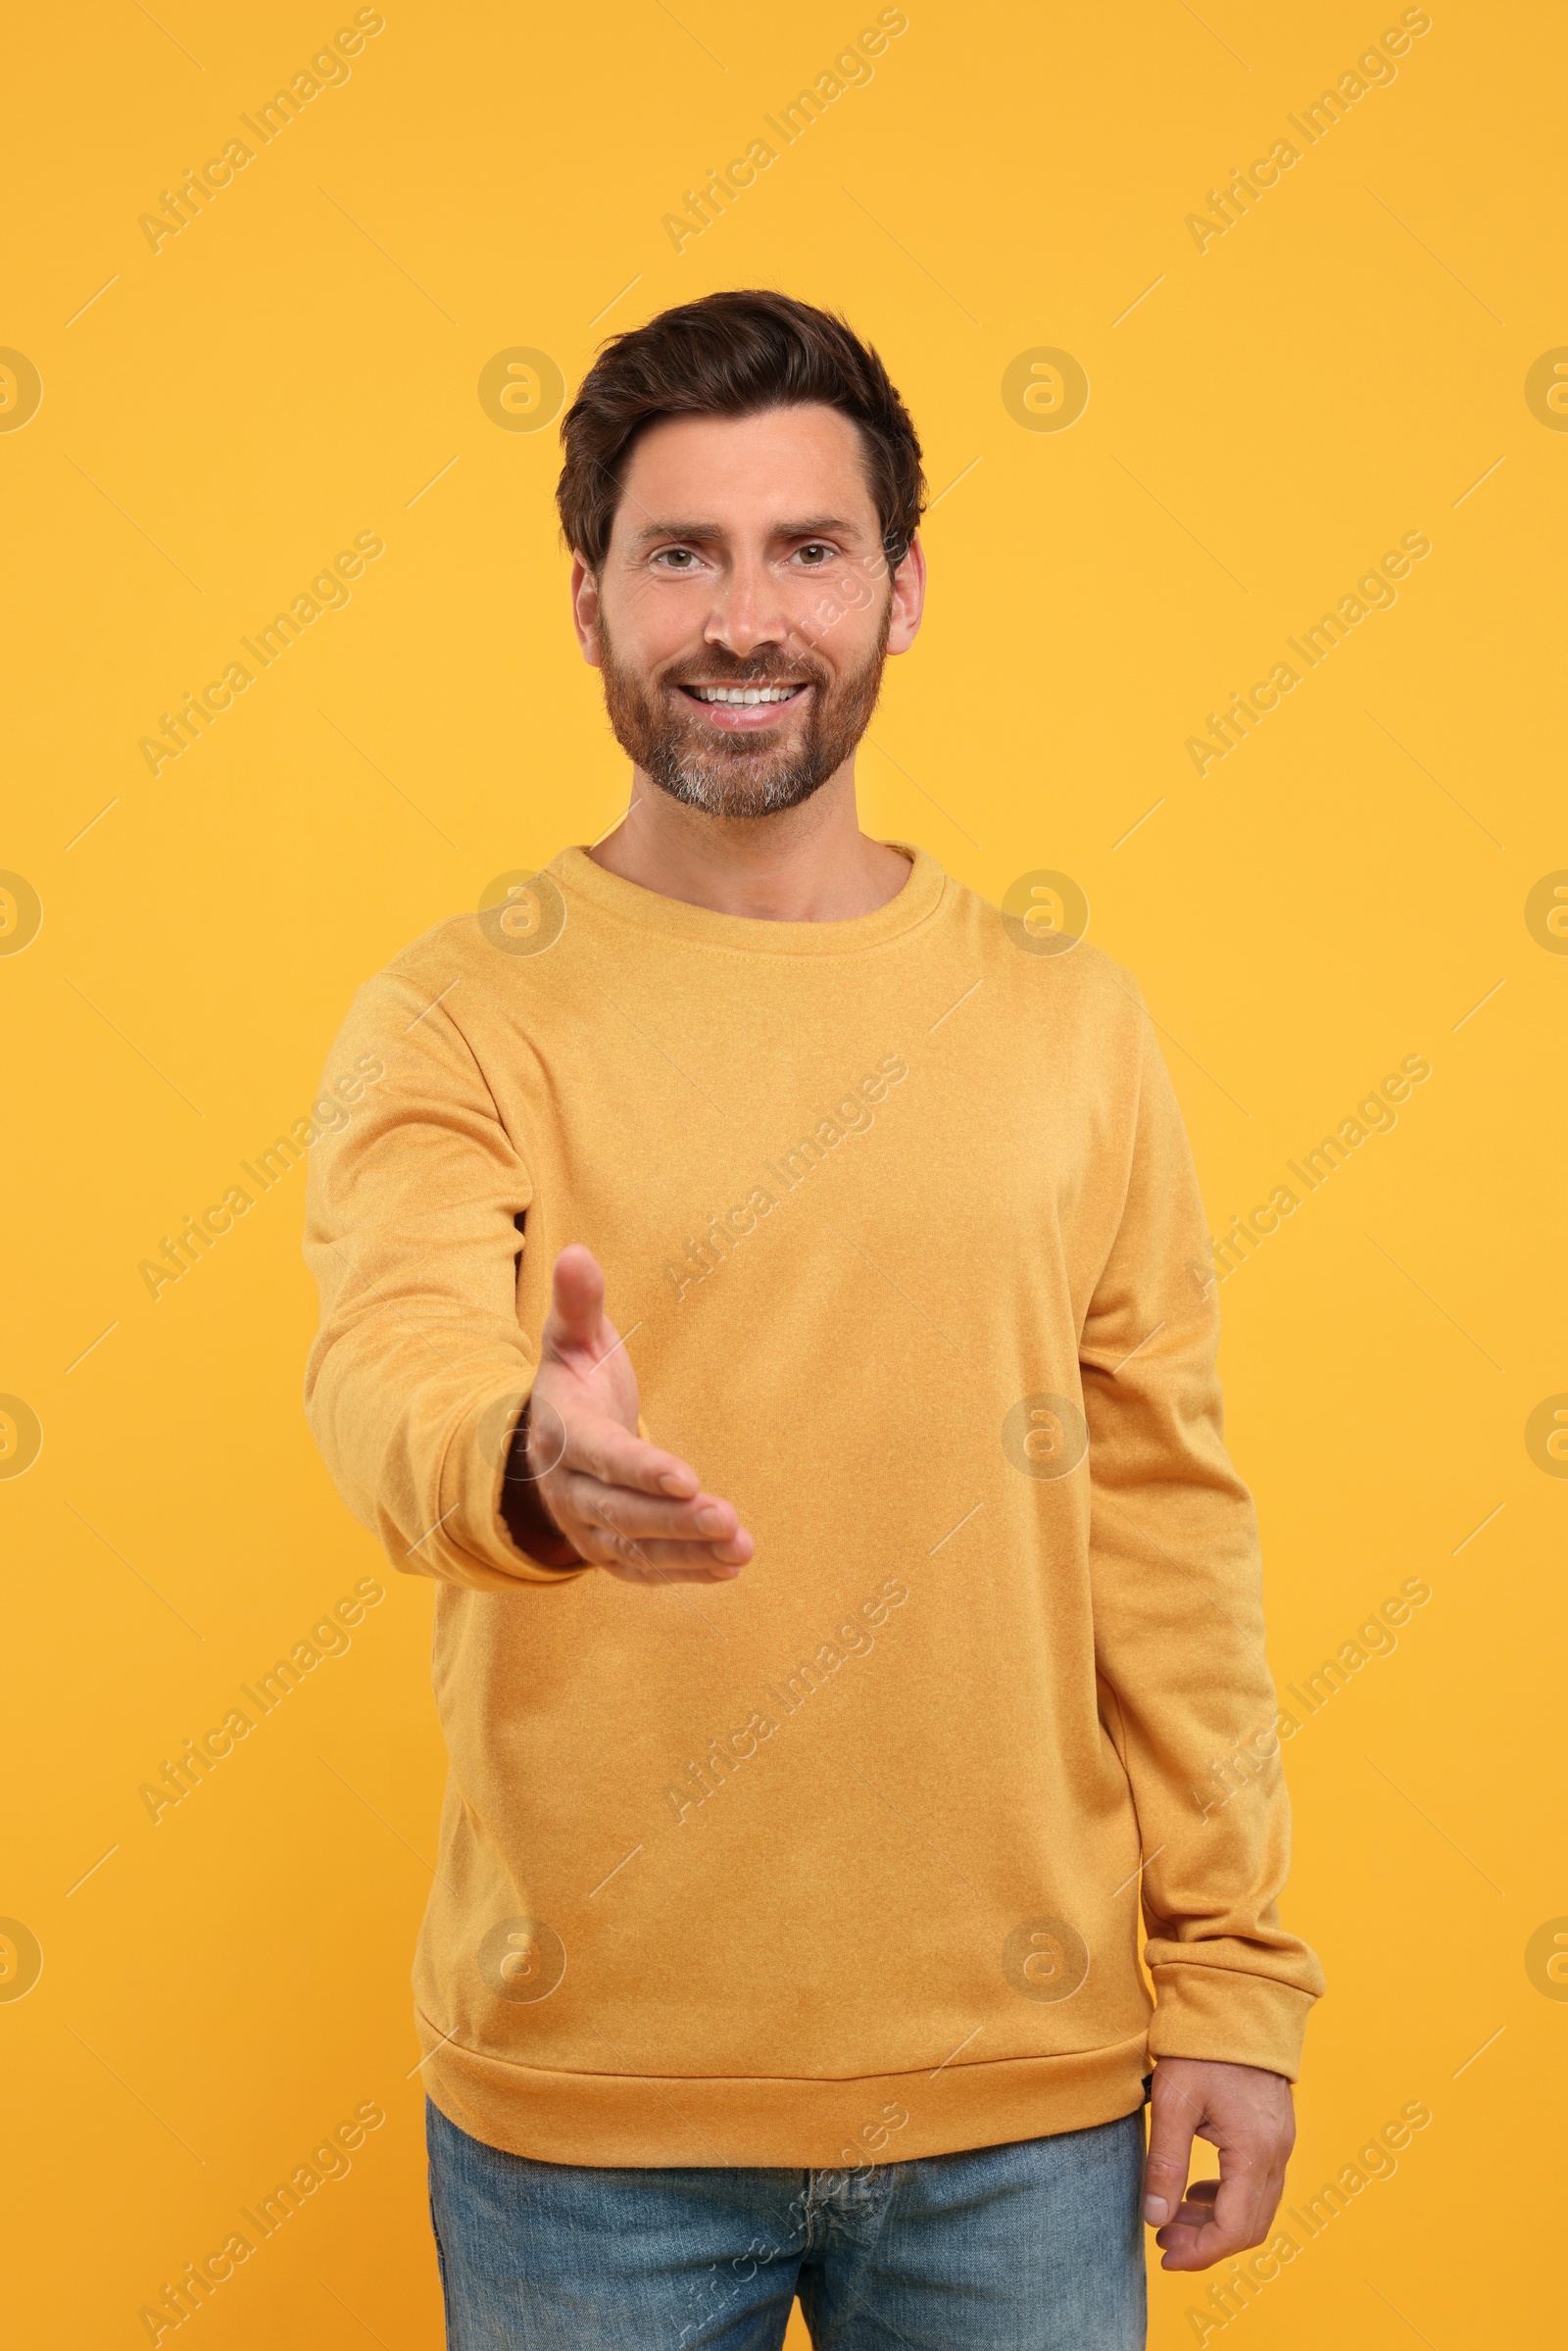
(604,1543)
(656,1562)
(1173,2119)
(628,1510)
(665,1579)
(1244,2178)
(1187,2239)
(1194,2212)
(601,1449)
(1222,2230)
(1198,2204)
(576,1297)
(1182,2248)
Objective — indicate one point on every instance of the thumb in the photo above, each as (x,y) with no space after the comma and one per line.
(577,1298)
(1172,2121)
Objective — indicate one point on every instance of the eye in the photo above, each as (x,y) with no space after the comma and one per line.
(681,559)
(816,553)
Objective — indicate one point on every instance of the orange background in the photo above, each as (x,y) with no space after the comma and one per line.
(301,364)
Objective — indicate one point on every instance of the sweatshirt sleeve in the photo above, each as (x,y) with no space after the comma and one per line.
(1177,1585)
(420,1369)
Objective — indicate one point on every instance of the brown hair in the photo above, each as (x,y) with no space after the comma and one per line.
(732,354)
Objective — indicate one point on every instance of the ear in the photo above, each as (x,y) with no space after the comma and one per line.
(585,611)
(908,599)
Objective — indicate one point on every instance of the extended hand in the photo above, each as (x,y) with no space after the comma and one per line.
(624,1505)
(1246,2114)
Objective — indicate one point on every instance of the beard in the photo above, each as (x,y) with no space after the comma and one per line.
(741,774)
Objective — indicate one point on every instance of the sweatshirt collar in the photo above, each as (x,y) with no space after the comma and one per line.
(581,878)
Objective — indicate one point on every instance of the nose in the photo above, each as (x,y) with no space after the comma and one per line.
(749,611)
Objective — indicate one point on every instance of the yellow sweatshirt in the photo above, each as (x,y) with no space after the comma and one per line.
(844,1860)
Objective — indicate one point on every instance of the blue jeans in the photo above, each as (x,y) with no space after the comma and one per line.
(1034,2246)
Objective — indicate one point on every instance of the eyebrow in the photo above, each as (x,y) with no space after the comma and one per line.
(812,527)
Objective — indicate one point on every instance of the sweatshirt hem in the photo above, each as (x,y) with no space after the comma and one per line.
(643,2122)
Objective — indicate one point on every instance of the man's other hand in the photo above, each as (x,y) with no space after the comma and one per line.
(623,1505)
(1246,2114)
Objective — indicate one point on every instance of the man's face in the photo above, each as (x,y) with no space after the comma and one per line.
(745,556)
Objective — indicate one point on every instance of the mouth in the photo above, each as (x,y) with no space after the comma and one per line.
(742,709)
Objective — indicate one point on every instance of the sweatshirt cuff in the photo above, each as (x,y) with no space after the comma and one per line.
(1219,2013)
(470,1542)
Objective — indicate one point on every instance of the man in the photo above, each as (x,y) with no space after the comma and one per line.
(815,1739)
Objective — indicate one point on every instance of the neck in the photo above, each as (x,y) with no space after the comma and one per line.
(810,864)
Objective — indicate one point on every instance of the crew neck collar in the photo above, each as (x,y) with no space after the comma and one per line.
(610,893)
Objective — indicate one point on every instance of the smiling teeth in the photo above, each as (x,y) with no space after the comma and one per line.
(746,693)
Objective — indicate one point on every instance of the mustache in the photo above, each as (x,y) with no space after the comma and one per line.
(724,670)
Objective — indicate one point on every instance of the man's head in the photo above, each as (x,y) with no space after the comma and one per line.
(741,493)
